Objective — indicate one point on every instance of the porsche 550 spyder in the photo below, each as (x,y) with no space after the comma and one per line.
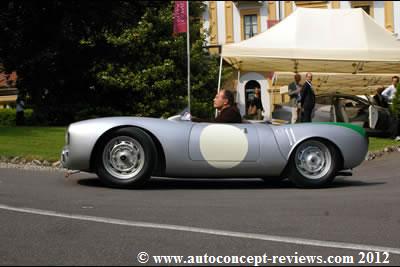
(127,151)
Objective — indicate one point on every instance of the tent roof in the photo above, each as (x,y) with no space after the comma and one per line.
(338,82)
(319,40)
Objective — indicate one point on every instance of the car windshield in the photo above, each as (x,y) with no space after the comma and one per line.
(326,99)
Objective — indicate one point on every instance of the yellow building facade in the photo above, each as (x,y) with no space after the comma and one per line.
(234,21)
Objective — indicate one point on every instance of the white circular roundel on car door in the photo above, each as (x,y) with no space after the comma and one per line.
(223,146)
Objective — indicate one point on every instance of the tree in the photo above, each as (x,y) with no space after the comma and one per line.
(395,107)
(78,59)
(157,78)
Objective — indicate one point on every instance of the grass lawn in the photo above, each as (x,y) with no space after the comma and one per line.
(376,144)
(45,143)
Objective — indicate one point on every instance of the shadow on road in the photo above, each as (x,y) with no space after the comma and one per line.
(340,182)
(253,183)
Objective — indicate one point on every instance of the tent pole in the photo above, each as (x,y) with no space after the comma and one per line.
(219,79)
(220,73)
(237,87)
(272,101)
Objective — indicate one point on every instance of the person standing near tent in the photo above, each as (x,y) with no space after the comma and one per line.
(255,107)
(389,92)
(307,99)
(294,93)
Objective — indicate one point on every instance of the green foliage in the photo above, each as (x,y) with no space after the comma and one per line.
(395,107)
(156,79)
(8,117)
(77,58)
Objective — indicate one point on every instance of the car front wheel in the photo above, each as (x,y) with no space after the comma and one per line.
(126,158)
(313,164)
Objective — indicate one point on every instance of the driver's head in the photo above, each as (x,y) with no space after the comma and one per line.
(223,99)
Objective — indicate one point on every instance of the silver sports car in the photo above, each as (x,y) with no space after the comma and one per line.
(127,151)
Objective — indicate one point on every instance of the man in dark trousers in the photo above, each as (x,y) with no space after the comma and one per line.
(20,119)
(307,99)
(294,93)
(224,102)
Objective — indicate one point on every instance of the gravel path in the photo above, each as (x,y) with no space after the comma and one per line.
(30,166)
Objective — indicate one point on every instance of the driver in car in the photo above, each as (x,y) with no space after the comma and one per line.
(227,109)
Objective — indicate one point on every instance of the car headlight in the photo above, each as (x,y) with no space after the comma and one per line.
(67,137)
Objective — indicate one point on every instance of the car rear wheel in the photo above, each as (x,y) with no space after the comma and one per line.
(313,163)
(126,158)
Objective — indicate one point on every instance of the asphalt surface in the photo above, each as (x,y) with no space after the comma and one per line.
(363,209)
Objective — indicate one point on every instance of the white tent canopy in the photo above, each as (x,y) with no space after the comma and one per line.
(337,82)
(319,40)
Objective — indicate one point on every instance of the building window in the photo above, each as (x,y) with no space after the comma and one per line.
(312,4)
(250,23)
(367,9)
(250,26)
(367,6)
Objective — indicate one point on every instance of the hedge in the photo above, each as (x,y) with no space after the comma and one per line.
(8,117)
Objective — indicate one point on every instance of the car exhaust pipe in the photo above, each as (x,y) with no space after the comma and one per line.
(69,173)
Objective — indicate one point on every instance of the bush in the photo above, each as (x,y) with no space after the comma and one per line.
(395,107)
(8,117)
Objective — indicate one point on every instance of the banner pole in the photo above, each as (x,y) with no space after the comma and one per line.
(188,53)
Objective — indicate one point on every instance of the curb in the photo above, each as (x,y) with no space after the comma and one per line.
(377,154)
(22,163)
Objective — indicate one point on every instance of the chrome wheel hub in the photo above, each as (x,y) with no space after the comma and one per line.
(313,159)
(123,157)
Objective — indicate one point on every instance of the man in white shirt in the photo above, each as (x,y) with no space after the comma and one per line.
(389,92)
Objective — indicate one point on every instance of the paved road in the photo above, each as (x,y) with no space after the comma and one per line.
(47,219)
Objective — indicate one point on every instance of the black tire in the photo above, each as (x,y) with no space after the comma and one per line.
(298,171)
(131,147)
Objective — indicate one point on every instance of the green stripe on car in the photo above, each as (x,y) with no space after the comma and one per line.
(354,127)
